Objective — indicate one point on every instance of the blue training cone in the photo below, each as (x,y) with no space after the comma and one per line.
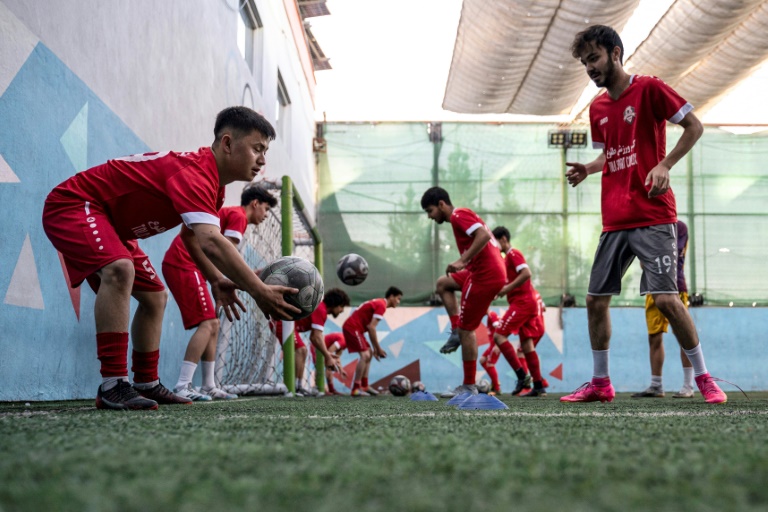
(459,399)
(423,396)
(482,402)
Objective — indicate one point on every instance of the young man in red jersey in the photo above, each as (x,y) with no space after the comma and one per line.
(189,288)
(335,345)
(478,274)
(365,319)
(95,218)
(491,355)
(628,122)
(334,301)
(523,309)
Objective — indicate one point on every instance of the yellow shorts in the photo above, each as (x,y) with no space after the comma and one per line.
(654,319)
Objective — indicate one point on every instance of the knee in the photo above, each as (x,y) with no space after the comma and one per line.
(597,304)
(118,274)
(441,285)
(366,356)
(210,327)
(155,301)
(667,303)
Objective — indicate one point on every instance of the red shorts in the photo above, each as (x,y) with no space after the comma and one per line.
(514,319)
(476,297)
(330,339)
(489,355)
(84,236)
(277,328)
(355,341)
(534,329)
(191,293)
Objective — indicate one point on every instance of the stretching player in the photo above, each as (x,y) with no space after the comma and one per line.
(523,309)
(491,355)
(335,345)
(638,206)
(94,218)
(190,290)
(364,320)
(478,274)
(657,326)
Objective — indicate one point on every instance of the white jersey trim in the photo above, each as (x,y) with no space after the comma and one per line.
(520,267)
(233,233)
(200,218)
(598,145)
(681,113)
(474,227)
(318,327)
(380,317)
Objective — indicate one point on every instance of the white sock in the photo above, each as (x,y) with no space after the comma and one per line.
(209,367)
(656,381)
(146,385)
(696,357)
(600,362)
(186,374)
(108,383)
(687,377)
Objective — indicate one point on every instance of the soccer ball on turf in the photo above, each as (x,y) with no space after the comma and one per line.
(483,386)
(352,269)
(296,273)
(418,386)
(399,385)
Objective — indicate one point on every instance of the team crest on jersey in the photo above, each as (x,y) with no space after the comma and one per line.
(629,114)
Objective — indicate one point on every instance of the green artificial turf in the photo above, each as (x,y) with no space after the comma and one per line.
(387,454)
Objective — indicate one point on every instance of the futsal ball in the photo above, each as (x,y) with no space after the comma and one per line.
(399,385)
(296,273)
(483,386)
(418,386)
(352,269)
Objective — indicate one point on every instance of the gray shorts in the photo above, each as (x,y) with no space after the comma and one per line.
(655,246)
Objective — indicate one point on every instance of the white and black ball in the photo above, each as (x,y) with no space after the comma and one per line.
(400,385)
(352,269)
(296,273)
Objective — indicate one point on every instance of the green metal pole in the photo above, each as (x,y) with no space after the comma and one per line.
(436,137)
(320,364)
(286,217)
(564,188)
(690,259)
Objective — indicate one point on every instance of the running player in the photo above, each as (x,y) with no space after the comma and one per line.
(190,290)
(478,274)
(657,326)
(628,122)
(94,218)
(491,355)
(364,320)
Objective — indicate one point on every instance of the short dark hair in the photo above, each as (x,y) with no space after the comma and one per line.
(433,196)
(241,121)
(501,231)
(259,193)
(601,35)
(393,290)
(336,297)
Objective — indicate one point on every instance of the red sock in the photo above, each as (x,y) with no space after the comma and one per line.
(533,363)
(145,366)
(329,382)
(601,381)
(510,354)
(356,385)
(470,372)
(454,321)
(494,375)
(364,383)
(112,351)
(524,364)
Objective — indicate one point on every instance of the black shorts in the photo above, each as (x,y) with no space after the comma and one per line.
(655,246)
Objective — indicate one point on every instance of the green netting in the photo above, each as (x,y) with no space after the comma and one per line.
(373,175)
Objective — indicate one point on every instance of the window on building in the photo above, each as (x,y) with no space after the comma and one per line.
(282,107)
(250,38)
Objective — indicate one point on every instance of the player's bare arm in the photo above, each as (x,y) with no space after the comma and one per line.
(317,340)
(228,261)
(579,172)
(480,237)
(523,276)
(378,352)
(658,178)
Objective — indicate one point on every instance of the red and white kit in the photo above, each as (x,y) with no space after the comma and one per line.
(356,325)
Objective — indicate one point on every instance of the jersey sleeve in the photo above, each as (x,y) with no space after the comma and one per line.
(233,222)
(194,196)
(598,141)
(666,103)
(318,318)
(518,261)
(379,307)
(468,221)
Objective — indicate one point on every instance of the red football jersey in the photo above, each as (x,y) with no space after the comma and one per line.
(314,321)
(521,296)
(486,265)
(362,316)
(144,195)
(233,224)
(631,131)
(492,324)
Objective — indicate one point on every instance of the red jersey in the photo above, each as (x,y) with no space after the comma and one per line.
(335,337)
(631,131)
(522,296)
(362,316)
(486,265)
(144,195)
(314,321)
(492,324)
(233,224)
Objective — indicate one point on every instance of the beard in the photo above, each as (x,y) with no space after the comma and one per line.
(608,75)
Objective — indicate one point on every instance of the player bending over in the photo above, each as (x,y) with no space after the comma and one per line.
(95,218)
(491,355)
(335,345)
